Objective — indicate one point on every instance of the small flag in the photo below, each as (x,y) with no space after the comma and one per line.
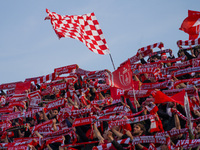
(122,77)
(191,24)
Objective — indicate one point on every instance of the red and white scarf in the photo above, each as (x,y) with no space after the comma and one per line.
(60,86)
(66,69)
(16,97)
(151,65)
(54,140)
(172,133)
(11,116)
(110,117)
(35,128)
(129,121)
(161,52)
(138,93)
(5,125)
(6,110)
(108,145)
(19,104)
(10,92)
(191,62)
(48,129)
(175,91)
(79,112)
(114,110)
(186,71)
(20,147)
(55,104)
(186,144)
(168,70)
(32,112)
(42,79)
(103,88)
(9,85)
(149,139)
(83,121)
(159,45)
(183,117)
(35,98)
(157,85)
(188,42)
(63,131)
(101,102)
(98,74)
(136,58)
(189,81)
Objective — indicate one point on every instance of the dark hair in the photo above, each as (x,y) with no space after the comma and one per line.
(142,127)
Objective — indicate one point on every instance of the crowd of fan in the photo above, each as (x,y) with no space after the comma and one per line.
(82,93)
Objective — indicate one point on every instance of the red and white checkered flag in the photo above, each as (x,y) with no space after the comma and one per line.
(84,28)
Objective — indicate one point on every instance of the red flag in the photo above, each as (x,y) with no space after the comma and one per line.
(84,28)
(122,77)
(160,97)
(191,24)
(21,87)
(179,97)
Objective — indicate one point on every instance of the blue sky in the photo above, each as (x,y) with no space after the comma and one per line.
(29,47)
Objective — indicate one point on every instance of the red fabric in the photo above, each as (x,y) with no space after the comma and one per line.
(160,97)
(154,110)
(83,121)
(21,87)
(127,127)
(9,85)
(157,125)
(191,25)
(4,135)
(179,97)
(19,104)
(122,77)
(89,134)
(159,45)
(84,28)
(66,69)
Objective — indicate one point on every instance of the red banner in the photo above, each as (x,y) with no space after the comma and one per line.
(122,77)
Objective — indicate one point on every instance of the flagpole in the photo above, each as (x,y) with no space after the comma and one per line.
(187,111)
(112,61)
(135,100)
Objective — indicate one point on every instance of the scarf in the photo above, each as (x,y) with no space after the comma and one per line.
(129,121)
(66,69)
(55,104)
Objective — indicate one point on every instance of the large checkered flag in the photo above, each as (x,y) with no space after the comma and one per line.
(84,28)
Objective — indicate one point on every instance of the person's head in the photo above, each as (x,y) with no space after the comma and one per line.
(31,122)
(181,53)
(155,58)
(152,79)
(164,147)
(198,128)
(41,115)
(105,134)
(138,129)
(107,94)
(169,64)
(55,112)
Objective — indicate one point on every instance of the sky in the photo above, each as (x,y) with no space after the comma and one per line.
(29,46)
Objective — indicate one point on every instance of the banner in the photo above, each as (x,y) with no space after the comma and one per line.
(122,77)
